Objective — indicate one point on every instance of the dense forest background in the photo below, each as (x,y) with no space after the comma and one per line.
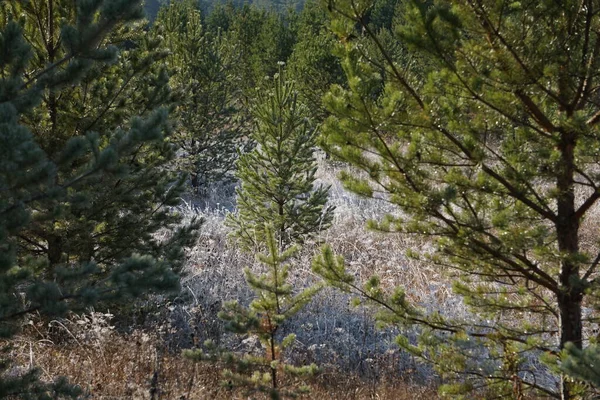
(340,199)
(151,7)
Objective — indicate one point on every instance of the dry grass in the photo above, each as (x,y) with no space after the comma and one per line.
(329,331)
(358,361)
(111,365)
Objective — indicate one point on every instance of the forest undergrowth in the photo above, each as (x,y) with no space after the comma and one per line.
(109,364)
(360,360)
(168,228)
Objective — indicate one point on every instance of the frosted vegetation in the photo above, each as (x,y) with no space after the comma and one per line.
(331,331)
(170,173)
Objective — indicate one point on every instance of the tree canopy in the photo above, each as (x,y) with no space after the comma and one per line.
(483,129)
(84,178)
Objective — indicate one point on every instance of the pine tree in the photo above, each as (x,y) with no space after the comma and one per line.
(487,141)
(106,217)
(277,177)
(274,43)
(83,155)
(244,28)
(211,126)
(274,304)
(257,40)
(582,364)
(313,64)
(277,207)
(381,14)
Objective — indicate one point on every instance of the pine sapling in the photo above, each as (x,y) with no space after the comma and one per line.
(275,303)
(277,177)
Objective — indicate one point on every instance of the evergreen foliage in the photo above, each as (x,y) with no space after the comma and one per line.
(244,28)
(312,64)
(274,304)
(273,6)
(274,44)
(84,183)
(582,364)
(118,99)
(211,122)
(277,178)
(485,136)
(257,40)
(381,14)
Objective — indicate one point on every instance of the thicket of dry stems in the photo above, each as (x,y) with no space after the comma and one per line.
(111,365)
(358,361)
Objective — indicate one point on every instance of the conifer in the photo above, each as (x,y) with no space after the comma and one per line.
(277,208)
(84,183)
(211,125)
(277,177)
(275,302)
(583,364)
(313,66)
(257,40)
(485,136)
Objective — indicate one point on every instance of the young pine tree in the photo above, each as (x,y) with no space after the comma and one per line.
(118,97)
(83,183)
(582,364)
(211,123)
(277,177)
(273,305)
(313,64)
(487,140)
(277,207)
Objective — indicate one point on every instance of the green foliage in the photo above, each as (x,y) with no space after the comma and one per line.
(313,64)
(277,177)
(211,121)
(274,304)
(582,364)
(84,183)
(111,115)
(280,7)
(381,14)
(482,127)
(274,43)
(256,41)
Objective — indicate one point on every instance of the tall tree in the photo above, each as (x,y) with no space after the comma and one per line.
(257,41)
(277,178)
(83,155)
(244,29)
(274,43)
(211,120)
(487,142)
(313,64)
(111,216)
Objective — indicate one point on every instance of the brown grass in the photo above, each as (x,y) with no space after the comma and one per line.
(111,365)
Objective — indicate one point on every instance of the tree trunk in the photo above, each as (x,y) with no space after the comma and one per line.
(55,244)
(195,181)
(282,239)
(567,230)
(569,305)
